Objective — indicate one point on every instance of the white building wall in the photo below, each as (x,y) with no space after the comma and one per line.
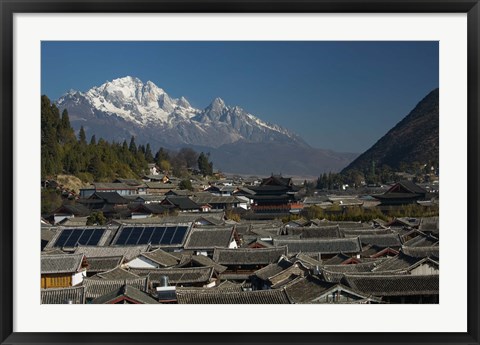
(77,278)
(424,269)
(142,262)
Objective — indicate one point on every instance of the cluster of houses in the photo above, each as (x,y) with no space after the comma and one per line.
(162,245)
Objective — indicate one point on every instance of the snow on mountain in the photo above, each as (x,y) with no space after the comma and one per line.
(145,105)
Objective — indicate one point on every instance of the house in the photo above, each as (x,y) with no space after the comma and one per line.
(70,295)
(181,203)
(103,264)
(398,288)
(125,294)
(204,240)
(276,194)
(223,296)
(62,270)
(241,263)
(178,276)
(157,258)
(67,211)
(402,193)
(95,287)
(219,202)
(117,187)
(326,248)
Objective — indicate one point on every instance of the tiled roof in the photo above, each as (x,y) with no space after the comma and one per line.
(101,264)
(117,274)
(248,256)
(95,287)
(363,231)
(315,232)
(212,200)
(129,252)
(191,275)
(128,292)
(205,261)
(394,285)
(221,296)
(421,240)
(388,240)
(306,260)
(161,257)
(182,202)
(423,252)
(324,246)
(288,275)
(400,262)
(109,197)
(272,269)
(63,295)
(335,273)
(209,238)
(61,263)
(306,289)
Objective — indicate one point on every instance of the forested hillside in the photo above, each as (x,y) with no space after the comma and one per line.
(96,159)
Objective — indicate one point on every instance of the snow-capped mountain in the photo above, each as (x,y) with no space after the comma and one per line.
(146,106)
(125,107)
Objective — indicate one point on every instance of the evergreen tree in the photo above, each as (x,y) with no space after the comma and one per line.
(93,140)
(132,147)
(148,154)
(82,137)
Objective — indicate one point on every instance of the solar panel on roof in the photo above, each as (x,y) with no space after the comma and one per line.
(87,233)
(134,236)
(166,239)
(73,239)
(63,238)
(179,235)
(96,236)
(124,235)
(145,238)
(157,235)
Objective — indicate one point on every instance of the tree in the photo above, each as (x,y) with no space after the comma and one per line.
(81,136)
(148,154)
(132,147)
(96,218)
(204,165)
(185,184)
(93,141)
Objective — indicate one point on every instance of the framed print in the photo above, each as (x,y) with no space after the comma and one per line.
(258,171)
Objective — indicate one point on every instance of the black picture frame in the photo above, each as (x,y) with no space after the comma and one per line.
(10,7)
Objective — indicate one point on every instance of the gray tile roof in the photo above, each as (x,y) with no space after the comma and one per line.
(102,264)
(272,269)
(129,252)
(306,260)
(315,232)
(61,263)
(388,240)
(394,285)
(220,296)
(191,275)
(324,246)
(208,238)
(400,263)
(63,295)
(248,256)
(161,257)
(335,273)
(432,251)
(127,292)
(117,274)
(288,275)
(306,289)
(205,261)
(95,287)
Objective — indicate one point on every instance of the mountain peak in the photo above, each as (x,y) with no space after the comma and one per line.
(217,104)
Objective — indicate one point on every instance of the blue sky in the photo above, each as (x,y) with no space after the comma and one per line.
(336,95)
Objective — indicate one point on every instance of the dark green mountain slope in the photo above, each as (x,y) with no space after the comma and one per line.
(413,140)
